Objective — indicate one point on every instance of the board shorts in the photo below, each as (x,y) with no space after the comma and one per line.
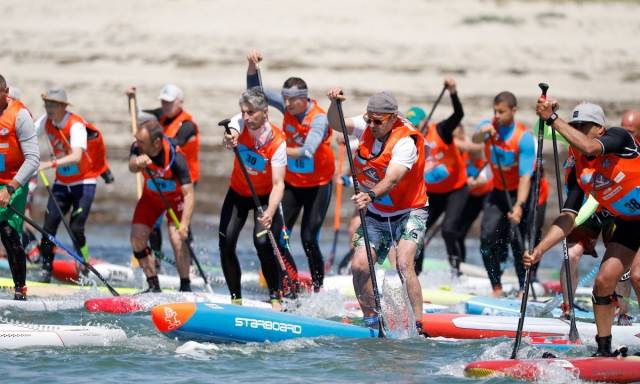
(150,207)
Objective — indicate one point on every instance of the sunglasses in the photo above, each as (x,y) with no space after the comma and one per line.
(378,121)
(582,125)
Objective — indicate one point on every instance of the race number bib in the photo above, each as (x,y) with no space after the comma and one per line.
(300,165)
(436,174)
(164,185)
(252,159)
(68,170)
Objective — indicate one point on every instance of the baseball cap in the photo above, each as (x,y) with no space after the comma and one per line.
(588,112)
(56,94)
(382,102)
(170,93)
(415,115)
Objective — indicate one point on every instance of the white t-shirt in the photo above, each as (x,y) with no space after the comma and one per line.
(261,137)
(77,139)
(404,152)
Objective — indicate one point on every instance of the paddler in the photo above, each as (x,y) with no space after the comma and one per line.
(180,126)
(310,164)
(445,175)
(389,166)
(78,156)
(606,164)
(19,157)
(264,151)
(156,152)
(515,147)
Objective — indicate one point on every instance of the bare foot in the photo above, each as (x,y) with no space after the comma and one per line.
(497,292)
(276,305)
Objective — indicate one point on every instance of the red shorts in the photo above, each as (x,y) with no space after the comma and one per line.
(150,207)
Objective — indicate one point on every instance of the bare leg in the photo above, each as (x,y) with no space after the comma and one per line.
(139,237)
(406,255)
(183,258)
(362,280)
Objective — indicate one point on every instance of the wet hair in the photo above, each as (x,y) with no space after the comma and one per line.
(294,82)
(254,97)
(3,82)
(506,97)
(154,128)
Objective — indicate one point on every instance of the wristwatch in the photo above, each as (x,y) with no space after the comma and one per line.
(372,195)
(10,189)
(551,119)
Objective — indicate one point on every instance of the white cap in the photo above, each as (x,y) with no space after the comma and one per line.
(588,112)
(170,93)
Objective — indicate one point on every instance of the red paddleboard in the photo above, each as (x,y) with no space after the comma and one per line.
(607,369)
(67,270)
(118,304)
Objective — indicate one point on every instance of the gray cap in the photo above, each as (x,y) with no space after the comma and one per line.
(56,94)
(382,102)
(588,112)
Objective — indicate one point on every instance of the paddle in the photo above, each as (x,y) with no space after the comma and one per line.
(425,124)
(336,213)
(133,110)
(534,212)
(574,336)
(71,253)
(176,222)
(285,230)
(287,276)
(363,223)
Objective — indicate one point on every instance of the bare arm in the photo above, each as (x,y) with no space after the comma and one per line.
(189,195)
(333,116)
(560,229)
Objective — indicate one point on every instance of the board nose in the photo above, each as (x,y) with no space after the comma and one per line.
(171,317)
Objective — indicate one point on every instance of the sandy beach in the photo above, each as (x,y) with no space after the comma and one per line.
(584,50)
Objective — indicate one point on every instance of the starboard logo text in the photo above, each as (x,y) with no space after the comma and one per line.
(268,325)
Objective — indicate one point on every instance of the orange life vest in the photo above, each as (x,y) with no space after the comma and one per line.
(613,181)
(411,191)
(444,169)
(509,154)
(257,161)
(190,149)
(94,159)
(11,156)
(167,182)
(474,167)
(302,171)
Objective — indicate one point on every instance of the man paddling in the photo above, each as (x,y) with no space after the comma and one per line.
(310,164)
(19,157)
(389,165)
(78,157)
(154,153)
(263,149)
(606,164)
(180,126)
(510,151)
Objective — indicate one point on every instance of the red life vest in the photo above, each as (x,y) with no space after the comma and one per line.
(613,181)
(11,156)
(94,159)
(411,191)
(257,161)
(302,171)
(167,182)
(190,149)
(509,154)
(444,170)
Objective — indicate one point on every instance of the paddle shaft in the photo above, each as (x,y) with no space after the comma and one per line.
(363,223)
(71,253)
(433,109)
(176,222)
(573,329)
(336,212)
(256,202)
(133,110)
(534,213)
